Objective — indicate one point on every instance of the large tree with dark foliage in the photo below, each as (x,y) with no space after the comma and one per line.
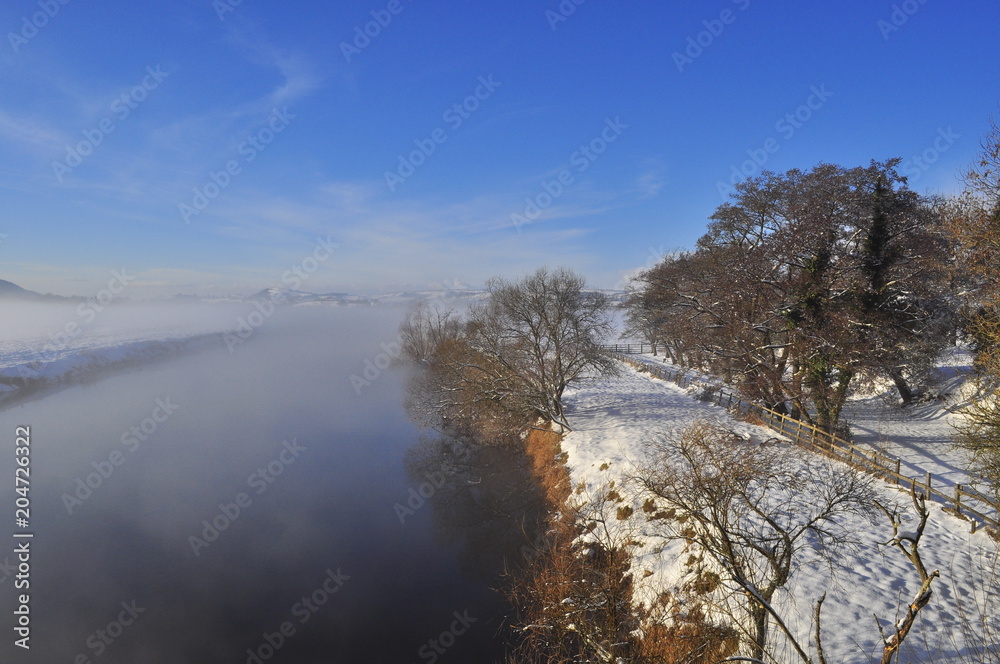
(807,283)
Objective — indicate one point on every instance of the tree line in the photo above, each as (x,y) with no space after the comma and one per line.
(805,286)
(808,284)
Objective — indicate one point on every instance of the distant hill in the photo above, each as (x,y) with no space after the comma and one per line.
(11,291)
(287,296)
(294,297)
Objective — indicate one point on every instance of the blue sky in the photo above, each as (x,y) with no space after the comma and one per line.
(204,147)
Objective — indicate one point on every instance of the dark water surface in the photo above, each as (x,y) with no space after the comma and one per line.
(315,566)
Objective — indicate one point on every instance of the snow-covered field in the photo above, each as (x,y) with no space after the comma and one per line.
(613,418)
(43,343)
(921,434)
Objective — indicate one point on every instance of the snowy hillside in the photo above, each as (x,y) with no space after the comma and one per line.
(42,344)
(614,418)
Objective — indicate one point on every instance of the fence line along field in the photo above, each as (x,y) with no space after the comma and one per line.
(963,501)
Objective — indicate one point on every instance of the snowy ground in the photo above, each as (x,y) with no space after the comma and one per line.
(921,434)
(42,344)
(612,418)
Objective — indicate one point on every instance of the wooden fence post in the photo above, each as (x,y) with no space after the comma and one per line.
(958,499)
(899,478)
(928,473)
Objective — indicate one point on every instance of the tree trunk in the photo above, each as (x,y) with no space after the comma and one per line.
(758,615)
(905,393)
(830,399)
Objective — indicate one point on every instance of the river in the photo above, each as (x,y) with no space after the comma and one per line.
(251,504)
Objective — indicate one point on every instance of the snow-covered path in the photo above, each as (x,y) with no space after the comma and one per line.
(613,417)
(920,435)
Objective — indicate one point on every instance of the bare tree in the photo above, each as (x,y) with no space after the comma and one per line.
(451,390)
(425,329)
(750,509)
(510,360)
(974,221)
(908,543)
(539,335)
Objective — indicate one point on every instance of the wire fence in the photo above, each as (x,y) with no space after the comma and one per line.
(963,501)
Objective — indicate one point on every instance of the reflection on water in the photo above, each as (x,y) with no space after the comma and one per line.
(258,519)
(486,500)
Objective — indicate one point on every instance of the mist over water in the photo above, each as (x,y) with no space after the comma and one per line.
(298,472)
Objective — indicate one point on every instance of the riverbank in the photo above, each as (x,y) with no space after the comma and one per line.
(614,419)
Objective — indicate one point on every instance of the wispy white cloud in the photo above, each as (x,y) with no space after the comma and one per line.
(653,178)
(221,126)
(31,135)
